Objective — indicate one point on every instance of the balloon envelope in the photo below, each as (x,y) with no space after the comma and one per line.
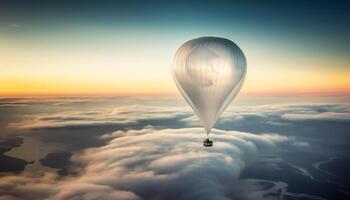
(209,72)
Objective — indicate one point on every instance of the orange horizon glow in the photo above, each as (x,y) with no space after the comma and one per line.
(258,82)
(255,84)
(174,94)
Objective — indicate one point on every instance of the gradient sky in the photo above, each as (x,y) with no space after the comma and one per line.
(127,47)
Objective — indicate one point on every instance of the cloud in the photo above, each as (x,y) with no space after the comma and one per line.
(116,116)
(99,112)
(149,164)
(324,116)
(15,26)
(159,162)
(275,115)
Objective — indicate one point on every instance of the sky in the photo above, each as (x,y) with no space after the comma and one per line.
(127,47)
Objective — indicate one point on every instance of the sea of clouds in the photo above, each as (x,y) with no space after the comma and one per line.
(153,151)
(149,164)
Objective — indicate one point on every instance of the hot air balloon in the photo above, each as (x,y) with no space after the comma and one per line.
(209,72)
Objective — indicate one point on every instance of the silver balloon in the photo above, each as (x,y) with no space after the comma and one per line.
(209,72)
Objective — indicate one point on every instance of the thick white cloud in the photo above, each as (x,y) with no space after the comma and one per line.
(279,115)
(150,164)
(101,115)
(324,116)
(120,115)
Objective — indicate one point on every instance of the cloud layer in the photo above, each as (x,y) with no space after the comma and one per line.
(324,116)
(165,160)
(149,164)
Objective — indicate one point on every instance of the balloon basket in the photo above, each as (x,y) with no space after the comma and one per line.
(207,143)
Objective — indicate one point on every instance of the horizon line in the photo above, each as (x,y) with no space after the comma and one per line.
(173,94)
